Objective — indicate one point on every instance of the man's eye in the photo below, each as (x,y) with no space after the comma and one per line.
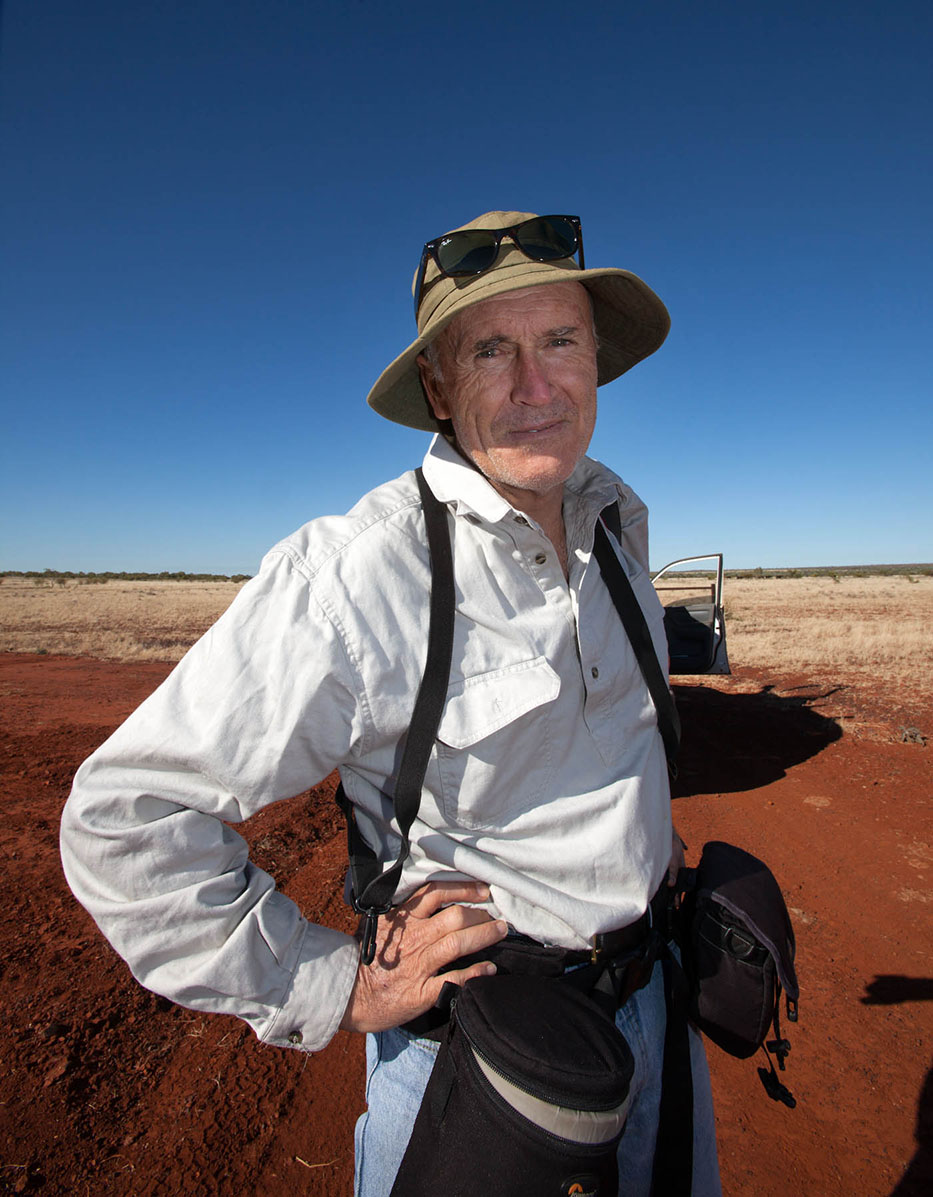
(561,341)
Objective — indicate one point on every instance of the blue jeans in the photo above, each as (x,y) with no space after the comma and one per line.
(398,1067)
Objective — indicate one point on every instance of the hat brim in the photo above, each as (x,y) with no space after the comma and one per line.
(631,323)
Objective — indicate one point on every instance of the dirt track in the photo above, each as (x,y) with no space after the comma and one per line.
(109,1089)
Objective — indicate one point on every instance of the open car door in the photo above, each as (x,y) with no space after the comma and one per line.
(693,620)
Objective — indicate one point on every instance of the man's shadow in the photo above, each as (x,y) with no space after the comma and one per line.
(736,742)
(888,989)
(917,1181)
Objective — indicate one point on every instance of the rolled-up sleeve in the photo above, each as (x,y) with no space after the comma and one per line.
(261,708)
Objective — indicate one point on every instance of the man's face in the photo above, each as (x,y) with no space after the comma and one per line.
(517,377)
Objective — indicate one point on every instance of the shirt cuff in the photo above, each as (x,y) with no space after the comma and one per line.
(320,989)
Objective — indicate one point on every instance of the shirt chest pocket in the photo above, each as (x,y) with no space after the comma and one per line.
(495,744)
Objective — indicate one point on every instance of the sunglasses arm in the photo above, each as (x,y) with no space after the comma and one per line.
(420,279)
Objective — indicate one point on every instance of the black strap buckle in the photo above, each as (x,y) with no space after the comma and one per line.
(368,929)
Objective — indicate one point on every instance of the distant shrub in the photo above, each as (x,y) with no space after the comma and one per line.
(60,576)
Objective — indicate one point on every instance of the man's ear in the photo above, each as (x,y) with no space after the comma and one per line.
(433,389)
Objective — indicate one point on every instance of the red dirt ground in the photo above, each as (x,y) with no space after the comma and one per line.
(109,1089)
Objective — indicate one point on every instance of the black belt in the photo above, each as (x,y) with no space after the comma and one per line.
(606,946)
(609,945)
(629,951)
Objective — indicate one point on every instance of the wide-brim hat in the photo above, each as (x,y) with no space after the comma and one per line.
(631,321)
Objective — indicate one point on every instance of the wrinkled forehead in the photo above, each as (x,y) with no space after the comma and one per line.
(557,305)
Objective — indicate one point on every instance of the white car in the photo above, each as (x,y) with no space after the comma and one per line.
(693,618)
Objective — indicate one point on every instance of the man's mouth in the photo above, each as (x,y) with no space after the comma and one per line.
(541,428)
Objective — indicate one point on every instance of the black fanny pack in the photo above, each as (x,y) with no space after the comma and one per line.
(737,945)
(528,1096)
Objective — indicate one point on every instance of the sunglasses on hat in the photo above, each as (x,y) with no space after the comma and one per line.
(473,251)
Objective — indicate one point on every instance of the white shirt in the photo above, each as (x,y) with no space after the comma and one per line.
(548,780)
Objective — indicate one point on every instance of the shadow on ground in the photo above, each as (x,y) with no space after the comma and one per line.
(736,742)
(889,989)
(917,1181)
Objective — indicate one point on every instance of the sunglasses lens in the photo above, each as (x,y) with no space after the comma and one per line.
(547,238)
(469,252)
(472,251)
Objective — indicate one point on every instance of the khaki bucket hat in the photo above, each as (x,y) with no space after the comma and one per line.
(631,321)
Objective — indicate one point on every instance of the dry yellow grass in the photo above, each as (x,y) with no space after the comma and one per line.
(878,627)
(122,621)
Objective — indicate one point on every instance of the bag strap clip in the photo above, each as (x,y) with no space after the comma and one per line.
(369,928)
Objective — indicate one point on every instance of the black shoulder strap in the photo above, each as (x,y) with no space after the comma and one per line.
(636,628)
(373,890)
(673,1156)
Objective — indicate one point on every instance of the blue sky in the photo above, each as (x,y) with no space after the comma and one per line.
(211,213)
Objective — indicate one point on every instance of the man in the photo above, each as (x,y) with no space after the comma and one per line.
(545,809)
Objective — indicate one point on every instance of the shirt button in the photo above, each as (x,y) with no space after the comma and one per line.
(540,558)
(594,672)
(295,1038)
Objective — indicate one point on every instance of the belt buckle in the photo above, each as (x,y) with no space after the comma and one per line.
(597,951)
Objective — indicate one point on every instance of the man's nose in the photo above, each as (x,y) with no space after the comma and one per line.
(531,384)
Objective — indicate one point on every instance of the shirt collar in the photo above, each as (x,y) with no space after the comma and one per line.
(456,481)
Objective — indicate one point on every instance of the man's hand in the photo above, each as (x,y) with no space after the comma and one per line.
(678,860)
(413,942)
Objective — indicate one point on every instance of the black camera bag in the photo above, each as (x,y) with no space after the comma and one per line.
(528,1096)
(738,948)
